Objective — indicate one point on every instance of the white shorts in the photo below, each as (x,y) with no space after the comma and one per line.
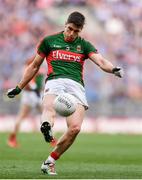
(30,98)
(61,85)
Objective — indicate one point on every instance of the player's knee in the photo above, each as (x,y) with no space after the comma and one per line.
(75,129)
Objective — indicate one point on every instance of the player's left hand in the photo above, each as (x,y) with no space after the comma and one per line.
(117,71)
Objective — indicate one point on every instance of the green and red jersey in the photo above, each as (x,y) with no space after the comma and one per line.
(65,59)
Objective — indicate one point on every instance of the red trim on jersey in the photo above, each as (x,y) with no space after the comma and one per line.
(48,60)
(92,53)
(41,54)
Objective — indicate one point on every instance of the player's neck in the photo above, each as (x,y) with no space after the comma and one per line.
(67,39)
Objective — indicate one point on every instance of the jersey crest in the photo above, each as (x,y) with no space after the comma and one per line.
(78,48)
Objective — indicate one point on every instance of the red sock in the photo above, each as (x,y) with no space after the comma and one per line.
(55,155)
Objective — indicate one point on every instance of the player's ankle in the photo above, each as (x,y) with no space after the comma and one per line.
(53,157)
(50,160)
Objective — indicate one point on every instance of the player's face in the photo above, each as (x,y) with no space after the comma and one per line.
(71,32)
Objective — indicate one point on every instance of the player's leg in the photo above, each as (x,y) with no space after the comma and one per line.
(23,113)
(48,112)
(48,117)
(74,123)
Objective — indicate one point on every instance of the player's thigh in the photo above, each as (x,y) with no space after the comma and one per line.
(48,103)
(77,117)
(48,112)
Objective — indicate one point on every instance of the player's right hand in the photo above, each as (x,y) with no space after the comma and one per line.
(11,93)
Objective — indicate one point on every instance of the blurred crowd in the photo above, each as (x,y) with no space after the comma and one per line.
(113,26)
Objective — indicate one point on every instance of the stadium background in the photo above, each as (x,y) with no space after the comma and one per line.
(113,26)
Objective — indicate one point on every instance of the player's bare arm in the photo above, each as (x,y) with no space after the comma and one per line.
(105,65)
(29,73)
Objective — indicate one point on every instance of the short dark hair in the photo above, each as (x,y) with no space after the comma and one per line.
(77,19)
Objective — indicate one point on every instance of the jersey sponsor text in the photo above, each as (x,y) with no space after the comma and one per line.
(68,56)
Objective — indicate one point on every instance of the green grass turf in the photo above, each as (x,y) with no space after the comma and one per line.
(92,156)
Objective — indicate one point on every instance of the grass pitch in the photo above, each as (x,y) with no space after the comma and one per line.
(92,156)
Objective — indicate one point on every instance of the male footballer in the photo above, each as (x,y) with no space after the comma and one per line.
(65,54)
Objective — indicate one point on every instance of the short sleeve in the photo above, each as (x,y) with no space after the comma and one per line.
(89,48)
(43,48)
